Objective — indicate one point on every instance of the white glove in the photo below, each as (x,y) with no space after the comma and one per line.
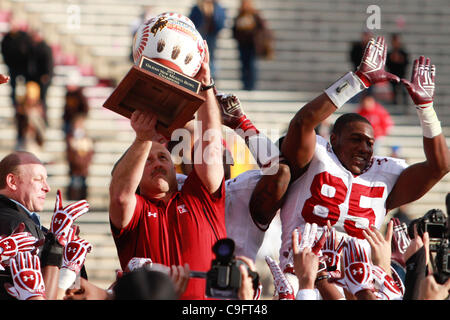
(282,285)
(27,277)
(358,273)
(386,287)
(73,259)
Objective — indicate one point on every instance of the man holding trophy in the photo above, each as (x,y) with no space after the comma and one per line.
(169,226)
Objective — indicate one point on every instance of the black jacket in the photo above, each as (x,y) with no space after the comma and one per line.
(16,50)
(416,271)
(11,215)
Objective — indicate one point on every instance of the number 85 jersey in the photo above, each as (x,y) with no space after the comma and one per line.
(328,191)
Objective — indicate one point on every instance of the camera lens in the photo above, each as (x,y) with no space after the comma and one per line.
(224,250)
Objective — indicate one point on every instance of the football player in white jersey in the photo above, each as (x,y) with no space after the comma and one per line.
(341,181)
(254,197)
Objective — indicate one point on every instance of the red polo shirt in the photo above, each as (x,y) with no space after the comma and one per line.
(184,231)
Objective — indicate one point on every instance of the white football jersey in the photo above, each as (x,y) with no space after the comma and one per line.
(240,226)
(328,191)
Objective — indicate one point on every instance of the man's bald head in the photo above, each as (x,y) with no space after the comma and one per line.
(11,162)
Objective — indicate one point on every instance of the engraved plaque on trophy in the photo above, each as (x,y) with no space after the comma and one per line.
(171,95)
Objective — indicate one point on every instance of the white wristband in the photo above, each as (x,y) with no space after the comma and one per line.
(306,294)
(66,278)
(344,89)
(265,152)
(431,126)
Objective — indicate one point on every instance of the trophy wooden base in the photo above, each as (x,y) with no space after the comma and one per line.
(172,96)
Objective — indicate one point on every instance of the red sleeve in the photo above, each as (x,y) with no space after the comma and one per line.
(125,239)
(202,202)
(138,209)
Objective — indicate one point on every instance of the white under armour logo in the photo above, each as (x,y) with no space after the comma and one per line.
(154,215)
(26,278)
(71,249)
(58,221)
(7,246)
(359,270)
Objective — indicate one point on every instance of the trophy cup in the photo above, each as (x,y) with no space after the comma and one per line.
(168,52)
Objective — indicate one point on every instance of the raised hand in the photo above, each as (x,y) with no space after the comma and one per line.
(380,246)
(73,259)
(421,87)
(400,241)
(204,74)
(332,252)
(282,285)
(306,255)
(307,240)
(357,268)
(15,243)
(74,231)
(75,254)
(63,217)
(386,287)
(231,109)
(27,277)
(371,70)
(144,124)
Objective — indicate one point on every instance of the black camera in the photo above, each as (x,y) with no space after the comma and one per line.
(224,279)
(435,223)
(442,262)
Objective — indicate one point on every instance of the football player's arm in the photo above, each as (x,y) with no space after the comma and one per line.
(208,155)
(263,150)
(416,180)
(328,290)
(299,144)
(50,274)
(300,141)
(268,195)
(127,173)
